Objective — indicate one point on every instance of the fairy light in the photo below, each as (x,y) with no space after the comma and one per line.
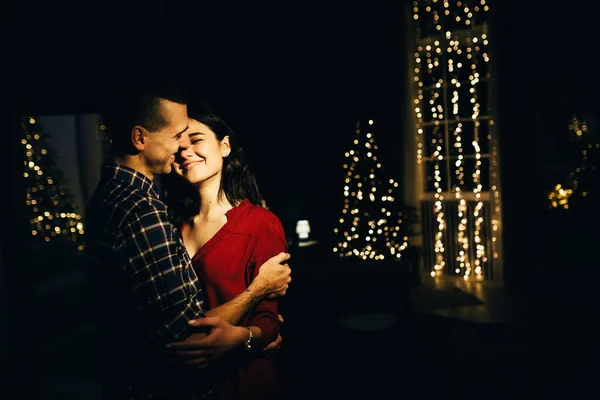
(480,257)
(369,227)
(559,197)
(495,191)
(462,239)
(450,63)
(579,182)
(50,214)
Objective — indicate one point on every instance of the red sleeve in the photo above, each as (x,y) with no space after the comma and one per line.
(271,241)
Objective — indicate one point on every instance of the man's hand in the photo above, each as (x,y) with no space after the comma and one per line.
(202,349)
(273,278)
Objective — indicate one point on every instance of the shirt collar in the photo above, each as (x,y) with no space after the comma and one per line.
(129,176)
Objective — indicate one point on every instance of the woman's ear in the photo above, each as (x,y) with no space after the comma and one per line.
(137,137)
(225,147)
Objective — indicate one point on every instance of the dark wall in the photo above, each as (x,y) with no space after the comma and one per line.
(544,73)
(291,80)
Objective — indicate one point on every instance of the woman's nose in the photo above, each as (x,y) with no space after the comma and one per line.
(186,151)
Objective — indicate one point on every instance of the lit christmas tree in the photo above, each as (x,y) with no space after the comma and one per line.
(373,223)
(51,213)
(582,182)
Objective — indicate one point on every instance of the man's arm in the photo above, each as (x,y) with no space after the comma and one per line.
(164,285)
(201,348)
(273,279)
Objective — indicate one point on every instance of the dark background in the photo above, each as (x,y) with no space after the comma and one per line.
(292,79)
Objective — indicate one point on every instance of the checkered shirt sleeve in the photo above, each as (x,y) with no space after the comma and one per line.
(164,281)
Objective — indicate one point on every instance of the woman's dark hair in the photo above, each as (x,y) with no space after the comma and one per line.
(238,181)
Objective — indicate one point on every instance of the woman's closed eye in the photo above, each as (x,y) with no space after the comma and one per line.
(196,137)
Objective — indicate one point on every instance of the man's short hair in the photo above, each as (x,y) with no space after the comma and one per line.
(138,102)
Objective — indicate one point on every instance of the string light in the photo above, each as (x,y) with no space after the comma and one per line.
(559,197)
(51,215)
(451,66)
(580,183)
(371,226)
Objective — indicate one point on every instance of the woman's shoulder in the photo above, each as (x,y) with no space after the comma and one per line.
(258,215)
(260,210)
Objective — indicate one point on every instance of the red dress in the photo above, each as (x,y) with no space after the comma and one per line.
(226,265)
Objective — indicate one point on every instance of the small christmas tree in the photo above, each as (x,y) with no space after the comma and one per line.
(581,185)
(50,210)
(372,224)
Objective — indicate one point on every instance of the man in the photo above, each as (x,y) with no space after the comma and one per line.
(147,290)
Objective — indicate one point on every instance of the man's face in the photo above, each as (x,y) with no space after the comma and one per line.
(161,146)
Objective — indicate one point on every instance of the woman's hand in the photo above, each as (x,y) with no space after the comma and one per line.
(275,345)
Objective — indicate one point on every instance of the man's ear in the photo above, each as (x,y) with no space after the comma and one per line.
(138,137)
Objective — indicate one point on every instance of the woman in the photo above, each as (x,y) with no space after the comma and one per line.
(213,197)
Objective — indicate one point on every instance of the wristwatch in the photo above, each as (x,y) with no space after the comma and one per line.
(248,344)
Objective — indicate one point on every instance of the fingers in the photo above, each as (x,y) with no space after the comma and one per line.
(196,341)
(286,272)
(275,295)
(284,289)
(206,321)
(274,345)
(281,257)
(280,317)
(271,346)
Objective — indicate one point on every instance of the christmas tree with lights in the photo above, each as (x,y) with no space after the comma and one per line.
(52,216)
(581,186)
(374,224)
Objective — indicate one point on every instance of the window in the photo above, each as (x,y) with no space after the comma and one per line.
(456,146)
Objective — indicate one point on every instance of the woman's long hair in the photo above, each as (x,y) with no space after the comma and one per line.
(238,181)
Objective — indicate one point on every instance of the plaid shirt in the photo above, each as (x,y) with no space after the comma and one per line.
(146,285)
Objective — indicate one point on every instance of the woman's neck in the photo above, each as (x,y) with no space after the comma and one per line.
(210,203)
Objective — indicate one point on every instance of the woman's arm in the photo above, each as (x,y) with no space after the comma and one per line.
(264,317)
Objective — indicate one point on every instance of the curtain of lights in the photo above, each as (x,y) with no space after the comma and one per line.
(455,142)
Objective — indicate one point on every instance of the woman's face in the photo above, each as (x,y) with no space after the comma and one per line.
(203,160)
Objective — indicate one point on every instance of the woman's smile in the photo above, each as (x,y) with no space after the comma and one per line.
(187,166)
